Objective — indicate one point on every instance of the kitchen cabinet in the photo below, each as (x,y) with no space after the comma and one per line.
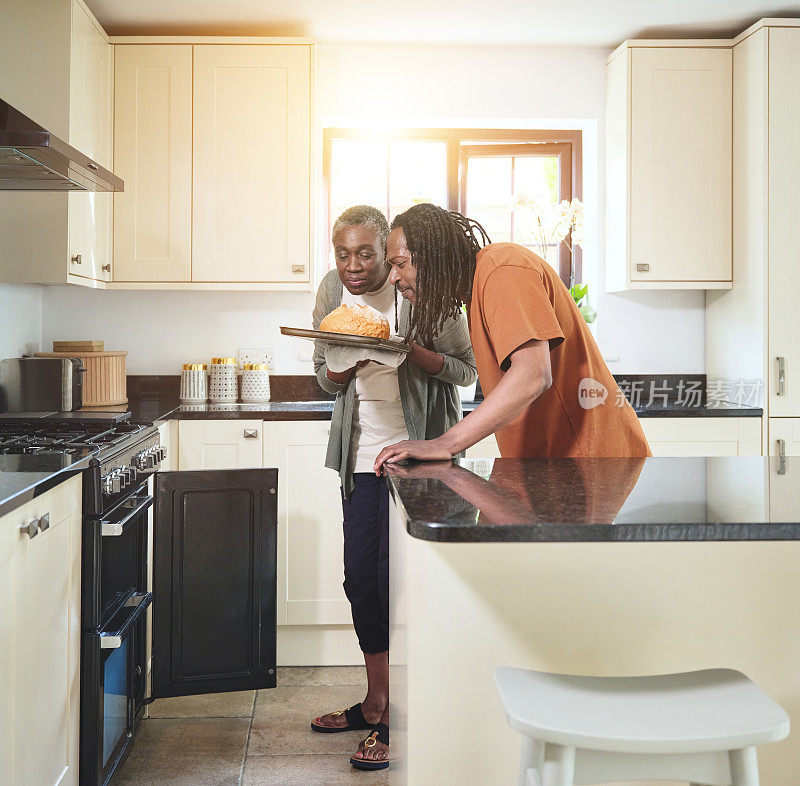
(486,448)
(40,645)
(203,600)
(310,538)
(57,238)
(703,436)
(213,140)
(153,155)
(668,165)
(752,332)
(784,437)
(219,444)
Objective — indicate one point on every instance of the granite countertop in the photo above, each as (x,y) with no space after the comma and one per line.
(27,476)
(599,499)
(152,410)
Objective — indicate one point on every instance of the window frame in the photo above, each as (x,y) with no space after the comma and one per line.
(568,143)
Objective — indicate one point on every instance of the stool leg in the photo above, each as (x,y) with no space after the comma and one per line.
(744,767)
(531,758)
(559,765)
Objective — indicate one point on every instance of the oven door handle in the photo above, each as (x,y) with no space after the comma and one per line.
(112,637)
(134,506)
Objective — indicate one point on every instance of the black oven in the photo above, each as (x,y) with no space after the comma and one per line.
(113,643)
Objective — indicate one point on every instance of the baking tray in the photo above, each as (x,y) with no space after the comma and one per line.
(347,340)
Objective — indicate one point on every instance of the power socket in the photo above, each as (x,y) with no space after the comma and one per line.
(256,355)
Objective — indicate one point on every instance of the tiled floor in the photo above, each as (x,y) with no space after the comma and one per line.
(251,738)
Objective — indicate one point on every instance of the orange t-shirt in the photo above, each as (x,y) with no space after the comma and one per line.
(517,297)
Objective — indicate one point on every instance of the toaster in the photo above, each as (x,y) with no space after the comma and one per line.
(41,384)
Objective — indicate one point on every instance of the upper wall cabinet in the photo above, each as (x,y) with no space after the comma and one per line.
(213,141)
(668,166)
(153,155)
(57,238)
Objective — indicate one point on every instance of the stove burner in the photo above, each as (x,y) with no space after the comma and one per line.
(69,438)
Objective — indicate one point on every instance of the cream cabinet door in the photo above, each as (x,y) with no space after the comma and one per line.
(153,155)
(784,436)
(9,531)
(710,436)
(251,163)
(90,131)
(310,539)
(47,641)
(784,228)
(219,444)
(784,491)
(680,164)
(486,448)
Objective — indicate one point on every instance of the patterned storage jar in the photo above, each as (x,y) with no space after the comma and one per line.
(222,383)
(255,383)
(194,383)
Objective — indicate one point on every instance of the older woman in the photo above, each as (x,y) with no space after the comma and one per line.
(376,406)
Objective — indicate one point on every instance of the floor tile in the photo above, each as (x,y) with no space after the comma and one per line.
(207,705)
(301,770)
(282,718)
(321,675)
(186,752)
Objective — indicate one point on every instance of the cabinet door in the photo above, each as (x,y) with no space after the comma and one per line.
(680,164)
(784,491)
(219,444)
(703,436)
(153,155)
(784,228)
(47,648)
(214,581)
(310,567)
(251,163)
(9,532)
(90,131)
(486,448)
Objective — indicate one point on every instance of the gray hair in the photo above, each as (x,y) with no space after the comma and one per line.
(364,215)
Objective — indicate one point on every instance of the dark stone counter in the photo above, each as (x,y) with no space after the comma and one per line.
(599,500)
(24,477)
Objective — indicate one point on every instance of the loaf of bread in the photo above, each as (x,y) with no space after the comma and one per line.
(357,320)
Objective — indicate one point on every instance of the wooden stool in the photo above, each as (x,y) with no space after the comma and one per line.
(700,727)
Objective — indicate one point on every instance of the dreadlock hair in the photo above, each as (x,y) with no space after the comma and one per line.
(443,246)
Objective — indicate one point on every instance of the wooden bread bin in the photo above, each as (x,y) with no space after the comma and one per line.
(104,383)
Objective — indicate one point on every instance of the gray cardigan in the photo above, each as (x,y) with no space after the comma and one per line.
(431,403)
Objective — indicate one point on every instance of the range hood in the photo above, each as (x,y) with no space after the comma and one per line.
(33,159)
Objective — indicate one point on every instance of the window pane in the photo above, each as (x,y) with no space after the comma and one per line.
(358,174)
(489,195)
(537,176)
(417,173)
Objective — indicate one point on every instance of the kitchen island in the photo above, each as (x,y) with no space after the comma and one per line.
(586,566)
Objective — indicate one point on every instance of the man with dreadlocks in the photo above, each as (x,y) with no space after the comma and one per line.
(375,406)
(534,351)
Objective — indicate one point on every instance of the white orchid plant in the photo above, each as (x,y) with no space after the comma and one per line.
(551,224)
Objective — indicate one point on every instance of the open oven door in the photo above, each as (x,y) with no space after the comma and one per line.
(214,581)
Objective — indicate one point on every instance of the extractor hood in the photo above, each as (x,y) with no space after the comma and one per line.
(33,159)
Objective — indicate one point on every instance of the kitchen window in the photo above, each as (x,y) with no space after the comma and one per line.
(479,172)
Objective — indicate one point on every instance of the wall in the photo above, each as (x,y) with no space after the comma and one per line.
(20,319)
(395,85)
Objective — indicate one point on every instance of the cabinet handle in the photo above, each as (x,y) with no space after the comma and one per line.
(298,268)
(642,267)
(781,444)
(107,268)
(251,433)
(77,259)
(781,376)
(30,528)
(44,522)
(92,166)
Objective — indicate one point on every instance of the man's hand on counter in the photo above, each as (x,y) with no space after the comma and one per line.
(423,450)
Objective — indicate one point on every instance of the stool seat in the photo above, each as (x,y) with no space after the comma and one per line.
(698,711)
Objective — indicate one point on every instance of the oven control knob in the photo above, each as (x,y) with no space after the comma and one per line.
(141,460)
(162,452)
(106,481)
(116,481)
(133,472)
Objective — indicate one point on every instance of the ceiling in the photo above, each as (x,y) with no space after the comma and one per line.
(596,23)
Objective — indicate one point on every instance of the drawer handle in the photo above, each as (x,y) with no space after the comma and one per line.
(781,444)
(77,259)
(44,522)
(30,528)
(298,268)
(642,267)
(251,433)
(107,268)
(781,376)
